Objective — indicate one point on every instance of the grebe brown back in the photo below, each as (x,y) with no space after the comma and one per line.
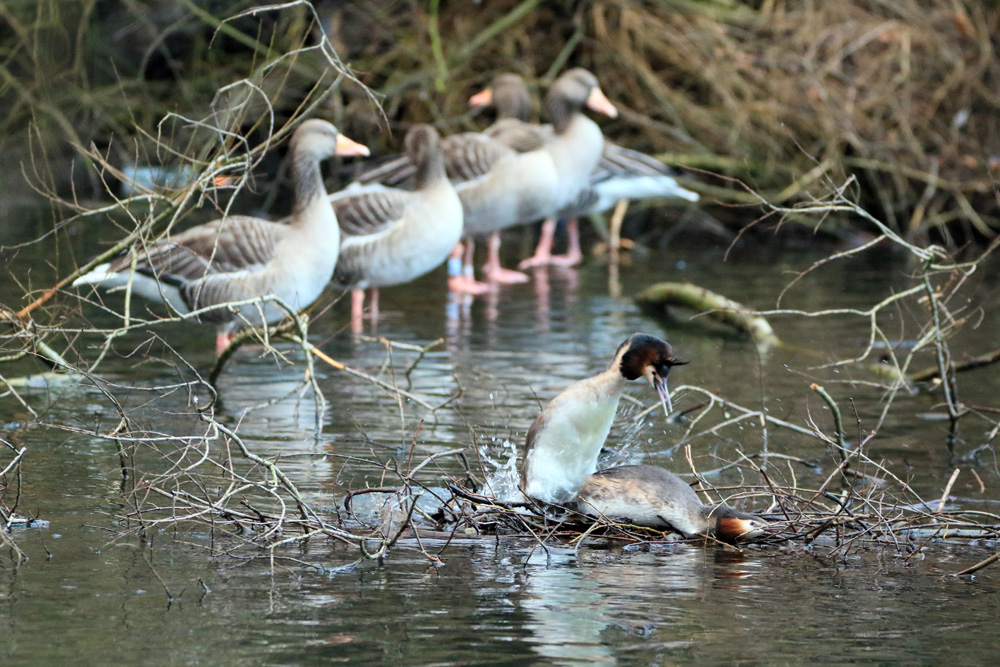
(655,497)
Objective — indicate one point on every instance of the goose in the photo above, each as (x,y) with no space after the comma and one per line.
(515,174)
(563,443)
(392,236)
(621,173)
(239,258)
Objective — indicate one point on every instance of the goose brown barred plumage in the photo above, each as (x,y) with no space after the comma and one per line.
(240,258)
(392,236)
(518,176)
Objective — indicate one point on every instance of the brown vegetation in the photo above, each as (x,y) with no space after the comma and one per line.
(789,97)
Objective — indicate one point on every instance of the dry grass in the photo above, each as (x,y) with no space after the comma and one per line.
(787,96)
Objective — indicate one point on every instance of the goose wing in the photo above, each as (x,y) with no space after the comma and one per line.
(229,245)
(467,156)
(522,137)
(620,161)
(368,210)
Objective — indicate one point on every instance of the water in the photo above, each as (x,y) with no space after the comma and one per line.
(92,594)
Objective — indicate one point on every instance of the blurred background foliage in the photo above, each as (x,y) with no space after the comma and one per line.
(790,97)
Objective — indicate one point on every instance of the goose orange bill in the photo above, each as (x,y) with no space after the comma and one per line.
(483,98)
(347,146)
(599,103)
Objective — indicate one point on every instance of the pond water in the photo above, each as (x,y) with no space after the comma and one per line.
(91,596)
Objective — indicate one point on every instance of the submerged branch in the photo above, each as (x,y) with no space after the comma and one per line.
(713,305)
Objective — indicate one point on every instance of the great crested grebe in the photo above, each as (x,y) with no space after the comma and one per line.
(655,497)
(563,443)
(392,236)
(240,258)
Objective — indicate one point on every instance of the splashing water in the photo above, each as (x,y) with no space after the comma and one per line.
(502,476)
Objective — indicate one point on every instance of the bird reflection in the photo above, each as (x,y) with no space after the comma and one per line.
(573,599)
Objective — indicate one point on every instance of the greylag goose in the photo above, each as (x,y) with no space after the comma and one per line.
(518,174)
(240,258)
(563,443)
(392,236)
(622,173)
(653,496)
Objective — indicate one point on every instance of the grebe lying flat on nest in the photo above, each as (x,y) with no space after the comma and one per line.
(655,497)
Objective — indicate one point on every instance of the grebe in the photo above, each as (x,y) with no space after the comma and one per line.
(239,258)
(655,497)
(563,443)
(392,236)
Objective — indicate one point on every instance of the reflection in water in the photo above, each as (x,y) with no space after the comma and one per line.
(566,610)
(579,603)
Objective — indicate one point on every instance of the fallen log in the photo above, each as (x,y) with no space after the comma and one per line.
(714,306)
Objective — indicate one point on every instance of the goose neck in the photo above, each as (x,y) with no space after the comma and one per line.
(307,183)
(431,171)
(561,113)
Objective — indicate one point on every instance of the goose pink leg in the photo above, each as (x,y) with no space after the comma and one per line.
(496,273)
(222,341)
(573,254)
(543,252)
(460,273)
(373,308)
(357,310)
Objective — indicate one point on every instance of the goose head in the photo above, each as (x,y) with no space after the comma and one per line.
(423,148)
(509,94)
(575,89)
(322,139)
(645,356)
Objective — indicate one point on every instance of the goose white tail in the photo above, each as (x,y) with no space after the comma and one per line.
(612,190)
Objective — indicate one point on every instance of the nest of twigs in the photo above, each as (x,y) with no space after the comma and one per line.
(862,514)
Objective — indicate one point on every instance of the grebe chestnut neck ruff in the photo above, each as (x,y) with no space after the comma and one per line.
(563,443)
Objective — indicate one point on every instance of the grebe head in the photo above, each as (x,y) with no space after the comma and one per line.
(645,356)
(732,525)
